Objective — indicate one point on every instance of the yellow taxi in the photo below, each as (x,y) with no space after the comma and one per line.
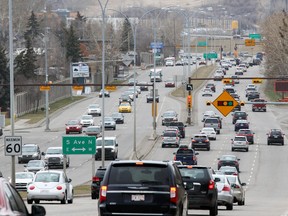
(125,107)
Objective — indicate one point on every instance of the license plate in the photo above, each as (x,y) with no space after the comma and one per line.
(44,191)
(137,197)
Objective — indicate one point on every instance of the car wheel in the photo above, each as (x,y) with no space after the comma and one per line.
(213,210)
(29,201)
(71,200)
(67,132)
(63,201)
(253,110)
(218,132)
(163,145)
(229,207)
(282,143)
(19,161)
(215,138)
(93,196)
(114,128)
(242,202)
(37,201)
(247,150)
(268,143)
(232,149)
(208,149)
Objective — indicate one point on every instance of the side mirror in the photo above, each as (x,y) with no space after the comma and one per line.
(196,153)
(243,184)
(43,153)
(185,125)
(116,144)
(69,180)
(25,165)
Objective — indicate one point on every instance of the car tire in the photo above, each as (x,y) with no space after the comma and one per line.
(208,149)
(63,201)
(19,161)
(215,138)
(242,202)
(232,149)
(282,143)
(229,207)
(93,196)
(114,128)
(67,132)
(247,150)
(163,145)
(70,201)
(29,201)
(268,143)
(213,210)
(218,132)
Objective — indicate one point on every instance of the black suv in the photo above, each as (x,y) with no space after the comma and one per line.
(142,188)
(96,181)
(201,187)
(239,115)
(29,152)
(275,136)
(180,126)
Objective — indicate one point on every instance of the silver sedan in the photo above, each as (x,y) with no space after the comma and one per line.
(225,196)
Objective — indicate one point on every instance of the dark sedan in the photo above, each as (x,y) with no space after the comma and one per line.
(253,95)
(275,136)
(118,118)
(200,141)
(228,160)
(241,124)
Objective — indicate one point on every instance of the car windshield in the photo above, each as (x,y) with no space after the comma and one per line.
(87,117)
(106,142)
(228,157)
(211,120)
(33,163)
(29,148)
(185,151)
(199,137)
(108,119)
(240,138)
(47,177)
(231,179)
(72,122)
(240,114)
(54,151)
(228,169)
(143,175)
(26,175)
(208,130)
(124,104)
(276,132)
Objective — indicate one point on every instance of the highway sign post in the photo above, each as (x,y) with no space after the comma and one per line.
(225,103)
(13,145)
(79,145)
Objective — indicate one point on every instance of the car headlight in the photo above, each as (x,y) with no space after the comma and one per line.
(35,155)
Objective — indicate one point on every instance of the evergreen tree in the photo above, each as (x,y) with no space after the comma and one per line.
(4,79)
(79,24)
(127,43)
(73,52)
(33,29)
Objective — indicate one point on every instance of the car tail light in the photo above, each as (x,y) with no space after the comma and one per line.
(173,194)
(194,158)
(175,158)
(95,179)
(59,187)
(226,188)
(32,187)
(103,193)
(235,173)
(236,186)
(211,185)
(193,140)
(206,140)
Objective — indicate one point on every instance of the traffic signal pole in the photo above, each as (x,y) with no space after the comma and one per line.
(188,105)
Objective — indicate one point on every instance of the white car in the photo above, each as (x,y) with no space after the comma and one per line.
(240,142)
(86,120)
(54,157)
(210,132)
(22,179)
(207,92)
(94,110)
(207,114)
(50,185)
(169,63)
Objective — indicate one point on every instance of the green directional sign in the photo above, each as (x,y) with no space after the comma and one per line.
(79,145)
(202,44)
(255,36)
(210,55)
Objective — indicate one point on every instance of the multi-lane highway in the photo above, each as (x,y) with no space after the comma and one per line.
(262,168)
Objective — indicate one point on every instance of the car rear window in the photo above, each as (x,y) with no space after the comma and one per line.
(195,174)
(169,134)
(240,138)
(240,114)
(141,174)
(185,151)
(210,120)
(200,137)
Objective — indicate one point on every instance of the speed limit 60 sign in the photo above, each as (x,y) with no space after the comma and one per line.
(13,145)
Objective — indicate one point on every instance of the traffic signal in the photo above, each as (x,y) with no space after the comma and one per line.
(256,81)
(224,103)
(208,103)
(242,103)
(189,87)
(227,81)
(189,101)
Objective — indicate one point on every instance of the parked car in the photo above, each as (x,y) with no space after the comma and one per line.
(73,126)
(50,185)
(225,196)
(275,136)
(12,203)
(54,157)
(228,160)
(237,189)
(200,141)
(96,181)
(35,166)
(163,178)
(30,151)
(200,187)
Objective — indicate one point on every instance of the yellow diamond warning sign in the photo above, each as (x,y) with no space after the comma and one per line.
(225,103)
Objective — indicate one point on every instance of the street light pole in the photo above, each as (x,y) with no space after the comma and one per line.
(46,81)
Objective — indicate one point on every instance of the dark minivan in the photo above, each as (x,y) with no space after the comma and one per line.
(142,188)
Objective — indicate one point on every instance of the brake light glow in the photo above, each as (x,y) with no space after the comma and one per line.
(236,186)
(226,188)
(211,185)
(103,193)
(95,179)
(32,187)
(139,163)
(173,194)
(174,157)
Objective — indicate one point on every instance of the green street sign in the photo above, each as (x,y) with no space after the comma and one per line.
(255,36)
(202,44)
(210,55)
(79,145)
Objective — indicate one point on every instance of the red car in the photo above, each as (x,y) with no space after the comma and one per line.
(170,83)
(248,133)
(73,126)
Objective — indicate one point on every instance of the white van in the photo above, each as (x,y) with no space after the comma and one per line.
(110,146)
(155,75)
